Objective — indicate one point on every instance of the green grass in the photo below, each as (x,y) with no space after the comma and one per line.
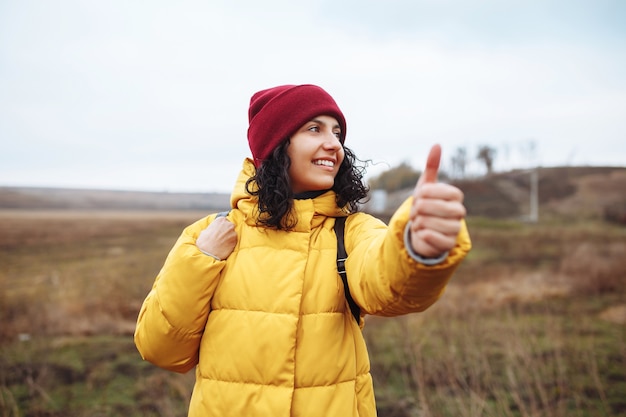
(101,375)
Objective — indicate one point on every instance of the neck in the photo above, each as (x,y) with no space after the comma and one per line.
(308,195)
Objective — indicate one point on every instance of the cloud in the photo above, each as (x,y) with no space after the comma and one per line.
(130,95)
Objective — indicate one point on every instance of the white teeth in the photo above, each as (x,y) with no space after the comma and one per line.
(324,162)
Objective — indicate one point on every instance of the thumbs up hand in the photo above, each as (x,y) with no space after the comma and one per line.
(436,212)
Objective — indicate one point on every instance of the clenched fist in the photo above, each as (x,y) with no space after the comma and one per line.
(436,212)
(219,239)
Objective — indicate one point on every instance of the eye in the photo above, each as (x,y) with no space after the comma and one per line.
(337,134)
(314,128)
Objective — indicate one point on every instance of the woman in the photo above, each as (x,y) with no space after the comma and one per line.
(253,300)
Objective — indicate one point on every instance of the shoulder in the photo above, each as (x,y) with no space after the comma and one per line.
(360,220)
(362,227)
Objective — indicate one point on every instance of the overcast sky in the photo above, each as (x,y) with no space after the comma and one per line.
(140,95)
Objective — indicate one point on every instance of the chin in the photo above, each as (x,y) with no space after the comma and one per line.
(326,186)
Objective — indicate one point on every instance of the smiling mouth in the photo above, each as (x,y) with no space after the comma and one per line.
(324,162)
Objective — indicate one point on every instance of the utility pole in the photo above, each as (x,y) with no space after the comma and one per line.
(534,196)
(533,214)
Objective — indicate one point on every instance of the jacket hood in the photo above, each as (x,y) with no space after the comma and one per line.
(310,212)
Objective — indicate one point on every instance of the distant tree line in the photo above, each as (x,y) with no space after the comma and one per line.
(398,178)
(405,176)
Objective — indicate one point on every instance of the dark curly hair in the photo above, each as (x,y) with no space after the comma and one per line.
(272,185)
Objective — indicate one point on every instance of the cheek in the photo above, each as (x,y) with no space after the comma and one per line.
(341,155)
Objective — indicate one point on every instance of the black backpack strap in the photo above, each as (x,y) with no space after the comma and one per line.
(340,223)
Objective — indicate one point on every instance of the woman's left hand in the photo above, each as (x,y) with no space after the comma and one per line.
(436,212)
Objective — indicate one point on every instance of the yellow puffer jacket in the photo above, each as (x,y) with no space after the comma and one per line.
(269,328)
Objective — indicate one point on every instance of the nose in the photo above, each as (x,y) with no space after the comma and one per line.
(332,142)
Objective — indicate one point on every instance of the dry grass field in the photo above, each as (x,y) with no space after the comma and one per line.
(80,272)
(71,284)
(533,325)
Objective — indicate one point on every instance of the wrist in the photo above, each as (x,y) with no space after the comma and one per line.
(217,258)
(416,256)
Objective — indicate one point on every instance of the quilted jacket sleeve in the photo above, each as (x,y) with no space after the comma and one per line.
(383,278)
(173,315)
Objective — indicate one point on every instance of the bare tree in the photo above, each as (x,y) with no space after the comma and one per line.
(487,154)
(459,162)
(528,149)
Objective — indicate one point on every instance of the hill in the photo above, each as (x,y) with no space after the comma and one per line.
(563,192)
(582,193)
(26,198)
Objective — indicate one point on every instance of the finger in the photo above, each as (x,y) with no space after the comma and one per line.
(437,208)
(446,227)
(221,222)
(429,243)
(439,191)
(432,166)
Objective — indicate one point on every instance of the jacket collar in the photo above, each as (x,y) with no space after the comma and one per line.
(310,212)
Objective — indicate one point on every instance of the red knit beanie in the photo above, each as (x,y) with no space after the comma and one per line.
(276,113)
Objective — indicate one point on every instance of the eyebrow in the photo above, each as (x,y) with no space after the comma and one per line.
(325,124)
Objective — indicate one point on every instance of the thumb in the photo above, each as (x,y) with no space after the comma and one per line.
(432,166)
